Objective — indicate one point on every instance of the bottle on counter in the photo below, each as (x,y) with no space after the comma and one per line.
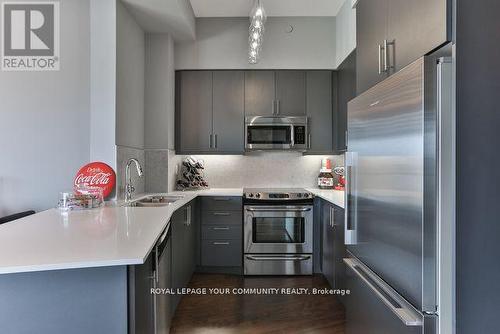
(326,179)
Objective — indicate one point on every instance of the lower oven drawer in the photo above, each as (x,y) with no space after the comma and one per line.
(278,264)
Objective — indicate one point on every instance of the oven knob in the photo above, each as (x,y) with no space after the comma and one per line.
(257,195)
(306,195)
(250,195)
(299,195)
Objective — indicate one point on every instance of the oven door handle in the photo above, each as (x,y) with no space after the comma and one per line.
(277,210)
(278,258)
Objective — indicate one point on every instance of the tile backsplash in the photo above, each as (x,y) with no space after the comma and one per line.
(261,169)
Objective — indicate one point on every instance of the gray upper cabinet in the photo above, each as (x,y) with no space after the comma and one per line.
(228,111)
(319,111)
(371,30)
(393,33)
(194,111)
(290,93)
(211,107)
(273,93)
(210,112)
(416,28)
(346,92)
(260,93)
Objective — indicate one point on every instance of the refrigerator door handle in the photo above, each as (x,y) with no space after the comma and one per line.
(397,304)
(350,237)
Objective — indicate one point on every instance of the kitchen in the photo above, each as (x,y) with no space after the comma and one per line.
(385,98)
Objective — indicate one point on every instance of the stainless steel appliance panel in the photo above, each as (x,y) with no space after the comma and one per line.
(374,308)
(385,203)
(276,133)
(278,264)
(278,229)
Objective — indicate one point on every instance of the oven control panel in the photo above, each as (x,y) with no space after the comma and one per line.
(278,195)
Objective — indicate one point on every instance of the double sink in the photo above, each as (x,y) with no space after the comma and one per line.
(155,201)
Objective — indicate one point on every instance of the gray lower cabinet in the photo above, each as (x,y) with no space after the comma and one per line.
(328,257)
(164,312)
(141,301)
(320,94)
(333,247)
(184,240)
(260,93)
(221,232)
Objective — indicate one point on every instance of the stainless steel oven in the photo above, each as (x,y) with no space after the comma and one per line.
(278,232)
(276,133)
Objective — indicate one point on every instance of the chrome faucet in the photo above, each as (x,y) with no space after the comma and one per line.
(129,188)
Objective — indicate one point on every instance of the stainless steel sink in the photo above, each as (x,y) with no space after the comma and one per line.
(155,201)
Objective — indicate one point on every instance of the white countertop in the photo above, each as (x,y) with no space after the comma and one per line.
(109,236)
(333,196)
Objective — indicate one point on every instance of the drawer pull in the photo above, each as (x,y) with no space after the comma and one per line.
(221,228)
(221,214)
(221,243)
(222,199)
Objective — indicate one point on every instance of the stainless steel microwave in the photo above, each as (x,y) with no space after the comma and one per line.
(276,133)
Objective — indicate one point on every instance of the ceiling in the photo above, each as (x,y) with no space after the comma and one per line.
(241,8)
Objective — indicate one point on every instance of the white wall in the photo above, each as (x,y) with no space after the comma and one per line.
(44,120)
(159,103)
(222,43)
(103,81)
(130,58)
(345,36)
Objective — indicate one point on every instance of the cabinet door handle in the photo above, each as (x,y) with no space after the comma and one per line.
(379,59)
(222,199)
(387,66)
(332,216)
(210,141)
(309,140)
(187,216)
(274,107)
(221,214)
(221,228)
(220,243)
(215,140)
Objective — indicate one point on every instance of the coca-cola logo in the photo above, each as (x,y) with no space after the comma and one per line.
(96,175)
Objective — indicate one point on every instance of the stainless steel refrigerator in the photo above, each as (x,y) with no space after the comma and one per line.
(399,224)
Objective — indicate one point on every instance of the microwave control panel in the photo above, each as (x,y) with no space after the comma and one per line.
(299,135)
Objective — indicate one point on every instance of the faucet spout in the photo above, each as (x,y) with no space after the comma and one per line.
(129,188)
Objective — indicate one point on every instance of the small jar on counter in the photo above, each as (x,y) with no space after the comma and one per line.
(326,179)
